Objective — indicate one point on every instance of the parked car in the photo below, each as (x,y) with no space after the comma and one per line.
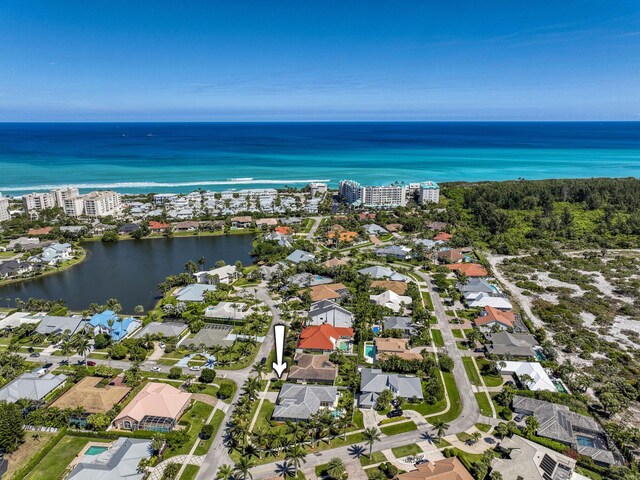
(195,368)
(489,440)
(519,418)
(394,413)
(420,462)
(91,363)
(35,355)
(162,344)
(156,369)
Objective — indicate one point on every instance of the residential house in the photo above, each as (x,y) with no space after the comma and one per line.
(330,291)
(445,469)
(14,268)
(300,256)
(454,255)
(280,239)
(119,462)
(443,237)
(530,374)
(481,300)
(241,222)
(468,269)
(557,422)
(380,272)
(373,229)
(194,292)
(52,325)
(283,230)
(234,311)
(491,318)
(38,232)
(404,324)
(187,226)
(391,300)
(159,227)
(477,285)
(301,402)
(266,222)
(92,396)
(128,228)
(327,312)
(158,406)
(31,386)
(162,329)
(324,338)
(386,347)
(23,243)
(438,226)
(312,368)
(225,274)
(399,252)
(394,227)
(54,254)
(526,460)
(307,280)
(110,324)
(511,344)
(336,238)
(374,381)
(335,262)
(18,319)
(394,285)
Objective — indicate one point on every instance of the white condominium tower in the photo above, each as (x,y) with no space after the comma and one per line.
(101,204)
(4,209)
(429,192)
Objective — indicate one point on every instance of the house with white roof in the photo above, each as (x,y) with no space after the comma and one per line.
(377,272)
(54,254)
(391,300)
(481,300)
(228,311)
(300,256)
(373,229)
(326,311)
(535,376)
(21,318)
(300,402)
(225,274)
(119,462)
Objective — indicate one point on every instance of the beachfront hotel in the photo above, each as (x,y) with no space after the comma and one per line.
(389,196)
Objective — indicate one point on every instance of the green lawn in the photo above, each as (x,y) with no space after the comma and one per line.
(195,417)
(189,472)
(454,398)
(55,463)
(472,373)
(406,450)
(483,427)
(399,428)
(216,421)
(457,333)
(437,337)
(492,381)
(358,418)
(483,403)
(264,415)
(377,457)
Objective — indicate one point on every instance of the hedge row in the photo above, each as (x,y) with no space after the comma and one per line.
(31,464)
(146,434)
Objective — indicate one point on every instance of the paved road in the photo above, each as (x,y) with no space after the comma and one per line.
(314,227)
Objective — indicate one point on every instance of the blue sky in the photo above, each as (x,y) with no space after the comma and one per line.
(113,60)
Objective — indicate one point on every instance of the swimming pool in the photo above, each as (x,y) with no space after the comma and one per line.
(95,450)
(560,386)
(369,352)
(585,441)
(376,329)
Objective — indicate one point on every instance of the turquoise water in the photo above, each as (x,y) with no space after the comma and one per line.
(585,441)
(370,351)
(161,157)
(95,450)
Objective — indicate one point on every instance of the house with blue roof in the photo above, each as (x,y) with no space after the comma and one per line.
(111,324)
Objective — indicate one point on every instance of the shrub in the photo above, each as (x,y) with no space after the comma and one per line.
(207,375)
(206,432)
(225,391)
(175,373)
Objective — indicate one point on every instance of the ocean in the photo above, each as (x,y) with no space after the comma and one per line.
(181,157)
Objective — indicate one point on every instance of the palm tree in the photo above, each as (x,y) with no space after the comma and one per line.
(336,468)
(441,428)
(475,436)
(171,470)
(243,469)
(371,435)
(279,440)
(66,348)
(83,346)
(156,444)
(147,340)
(296,455)
(225,472)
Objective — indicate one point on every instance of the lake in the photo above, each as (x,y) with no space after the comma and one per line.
(129,270)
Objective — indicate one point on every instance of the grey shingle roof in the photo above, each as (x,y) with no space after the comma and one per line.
(299,256)
(120,461)
(166,329)
(51,324)
(373,381)
(378,271)
(31,386)
(300,402)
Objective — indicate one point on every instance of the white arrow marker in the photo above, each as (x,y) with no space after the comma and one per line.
(279,366)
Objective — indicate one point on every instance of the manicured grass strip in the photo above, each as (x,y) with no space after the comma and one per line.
(463,436)
(472,373)
(195,418)
(399,428)
(454,398)
(457,333)
(483,427)
(377,457)
(216,421)
(264,415)
(483,403)
(441,443)
(55,463)
(492,381)
(406,450)
(437,337)
(189,472)
(428,304)
(358,418)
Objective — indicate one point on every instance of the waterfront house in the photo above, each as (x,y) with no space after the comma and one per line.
(583,434)
(538,379)
(23,243)
(326,311)
(53,255)
(266,222)
(373,382)
(31,386)
(301,402)
(225,274)
(108,323)
(14,268)
(194,292)
(404,324)
(21,318)
(188,226)
(162,329)
(445,469)
(159,227)
(157,407)
(241,222)
(511,344)
(324,338)
(119,462)
(235,311)
(53,325)
(380,272)
(491,318)
(313,368)
(300,256)
(391,300)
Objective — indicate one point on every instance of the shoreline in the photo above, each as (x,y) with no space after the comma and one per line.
(64,266)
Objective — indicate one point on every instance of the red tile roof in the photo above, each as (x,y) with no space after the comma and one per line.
(443,237)
(469,269)
(283,230)
(320,337)
(40,231)
(153,225)
(494,315)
